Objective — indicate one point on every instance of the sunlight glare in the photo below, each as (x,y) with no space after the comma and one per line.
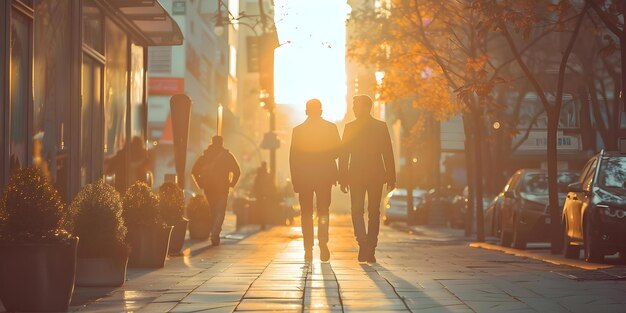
(313,64)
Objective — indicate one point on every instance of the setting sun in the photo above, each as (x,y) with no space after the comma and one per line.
(310,63)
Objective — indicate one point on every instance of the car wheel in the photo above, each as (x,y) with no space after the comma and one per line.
(592,252)
(505,236)
(570,251)
(519,239)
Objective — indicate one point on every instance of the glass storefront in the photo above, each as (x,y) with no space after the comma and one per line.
(137,91)
(75,85)
(51,95)
(20,86)
(115,96)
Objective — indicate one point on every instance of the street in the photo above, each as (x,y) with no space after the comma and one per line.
(433,271)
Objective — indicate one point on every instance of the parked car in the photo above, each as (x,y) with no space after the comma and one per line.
(459,207)
(523,214)
(395,204)
(594,213)
(492,216)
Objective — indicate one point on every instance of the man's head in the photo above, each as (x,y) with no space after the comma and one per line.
(314,108)
(217,141)
(361,105)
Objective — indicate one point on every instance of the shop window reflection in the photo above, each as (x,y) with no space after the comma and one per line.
(115,96)
(20,65)
(52,97)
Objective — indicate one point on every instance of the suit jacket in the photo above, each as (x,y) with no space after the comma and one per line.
(367,154)
(315,145)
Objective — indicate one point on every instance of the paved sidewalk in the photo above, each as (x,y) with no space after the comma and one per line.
(265,272)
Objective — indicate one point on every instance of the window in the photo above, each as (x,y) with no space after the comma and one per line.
(137,91)
(160,59)
(115,95)
(93,25)
(90,152)
(20,87)
(52,96)
(589,177)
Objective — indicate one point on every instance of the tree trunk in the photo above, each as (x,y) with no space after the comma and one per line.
(478,175)
(622,42)
(469,161)
(587,132)
(410,214)
(556,240)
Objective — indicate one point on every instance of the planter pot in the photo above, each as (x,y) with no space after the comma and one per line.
(149,245)
(101,272)
(37,277)
(199,229)
(178,237)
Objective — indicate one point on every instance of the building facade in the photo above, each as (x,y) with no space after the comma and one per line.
(204,68)
(73,85)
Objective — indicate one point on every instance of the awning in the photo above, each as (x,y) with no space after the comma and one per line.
(152,20)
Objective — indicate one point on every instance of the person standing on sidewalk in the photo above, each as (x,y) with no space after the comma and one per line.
(215,172)
(265,194)
(366,163)
(314,147)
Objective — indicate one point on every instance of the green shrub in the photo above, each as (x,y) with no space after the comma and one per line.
(198,208)
(172,203)
(141,206)
(98,221)
(32,210)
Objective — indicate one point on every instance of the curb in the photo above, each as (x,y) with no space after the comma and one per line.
(541,257)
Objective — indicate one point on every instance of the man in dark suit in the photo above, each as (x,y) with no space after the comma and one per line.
(366,163)
(314,148)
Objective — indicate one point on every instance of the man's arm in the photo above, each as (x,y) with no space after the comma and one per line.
(335,142)
(344,158)
(293,161)
(390,164)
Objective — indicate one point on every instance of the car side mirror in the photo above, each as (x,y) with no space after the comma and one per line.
(509,194)
(575,187)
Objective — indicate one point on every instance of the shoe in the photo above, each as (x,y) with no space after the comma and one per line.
(215,242)
(308,255)
(324,253)
(371,256)
(363,252)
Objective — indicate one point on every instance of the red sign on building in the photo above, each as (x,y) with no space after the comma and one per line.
(166,85)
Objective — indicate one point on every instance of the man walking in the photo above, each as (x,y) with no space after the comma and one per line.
(314,148)
(366,163)
(216,171)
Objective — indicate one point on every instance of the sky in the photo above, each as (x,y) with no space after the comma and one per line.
(310,63)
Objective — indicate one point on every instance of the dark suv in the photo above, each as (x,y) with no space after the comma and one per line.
(594,213)
(523,213)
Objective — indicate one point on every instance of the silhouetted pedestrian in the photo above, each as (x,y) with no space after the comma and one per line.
(265,193)
(216,171)
(365,165)
(139,167)
(314,148)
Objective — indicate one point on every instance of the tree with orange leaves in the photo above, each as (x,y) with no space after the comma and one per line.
(433,52)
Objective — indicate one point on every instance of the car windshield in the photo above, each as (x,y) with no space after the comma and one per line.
(612,172)
(537,183)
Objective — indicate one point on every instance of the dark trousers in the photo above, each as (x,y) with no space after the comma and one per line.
(374,193)
(322,196)
(217,203)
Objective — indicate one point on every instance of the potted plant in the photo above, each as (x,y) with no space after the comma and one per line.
(103,251)
(199,215)
(38,263)
(172,207)
(148,235)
